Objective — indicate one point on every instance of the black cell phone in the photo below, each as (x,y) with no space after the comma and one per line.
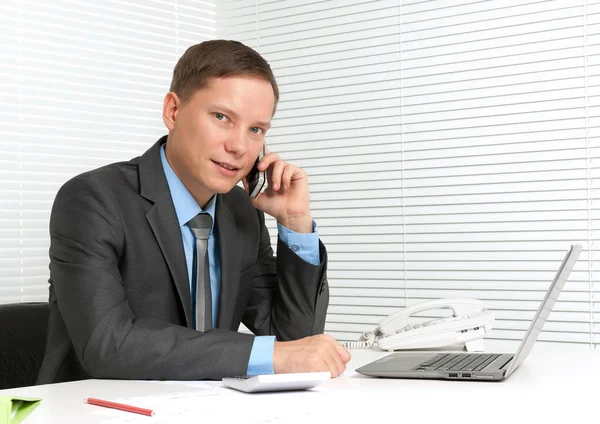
(257,180)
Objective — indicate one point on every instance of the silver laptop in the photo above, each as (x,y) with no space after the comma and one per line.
(474,366)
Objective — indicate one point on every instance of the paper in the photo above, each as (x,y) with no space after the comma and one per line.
(16,404)
(13,409)
(221,404)
(204,384)
(166,407)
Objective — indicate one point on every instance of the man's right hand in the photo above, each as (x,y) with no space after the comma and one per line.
(310,354)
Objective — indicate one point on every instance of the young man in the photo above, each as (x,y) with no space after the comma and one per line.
(126,275)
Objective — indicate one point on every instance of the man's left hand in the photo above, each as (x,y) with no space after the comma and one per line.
(287,198)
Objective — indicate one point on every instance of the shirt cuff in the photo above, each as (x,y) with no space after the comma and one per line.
(306,246)
(261,356)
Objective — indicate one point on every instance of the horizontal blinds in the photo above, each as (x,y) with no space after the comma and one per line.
(339,118)
(592,88)
(496,159)
(451,148)
(83,85)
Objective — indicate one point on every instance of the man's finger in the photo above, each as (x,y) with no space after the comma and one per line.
(267,160)
(340,366)
(342,352)
(332,366)
(276,172)
(288,173)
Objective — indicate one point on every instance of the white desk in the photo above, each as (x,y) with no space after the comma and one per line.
(552,385)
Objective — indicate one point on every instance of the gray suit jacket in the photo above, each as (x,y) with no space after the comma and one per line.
(120,302)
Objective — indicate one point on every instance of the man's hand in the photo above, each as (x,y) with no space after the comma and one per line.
(287,198)
(310,354)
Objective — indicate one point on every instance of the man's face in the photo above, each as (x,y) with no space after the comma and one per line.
(215,137)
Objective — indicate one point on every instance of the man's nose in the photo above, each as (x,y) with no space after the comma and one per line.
(237,143)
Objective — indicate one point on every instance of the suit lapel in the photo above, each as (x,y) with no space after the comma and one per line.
(165,226)
(230,263)
(162,218)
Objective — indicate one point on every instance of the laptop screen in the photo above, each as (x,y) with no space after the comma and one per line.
(545,308)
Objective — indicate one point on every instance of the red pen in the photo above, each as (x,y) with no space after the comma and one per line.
(122,407)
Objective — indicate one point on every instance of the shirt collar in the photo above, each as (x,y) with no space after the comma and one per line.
(186,206)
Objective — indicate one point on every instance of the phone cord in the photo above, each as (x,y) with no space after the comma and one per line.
(367,339)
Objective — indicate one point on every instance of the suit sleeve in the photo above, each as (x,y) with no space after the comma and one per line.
(290,296)
(87,240)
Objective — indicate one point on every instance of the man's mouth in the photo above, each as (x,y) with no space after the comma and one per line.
(227,166)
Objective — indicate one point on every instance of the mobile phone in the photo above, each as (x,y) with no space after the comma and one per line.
(257,180)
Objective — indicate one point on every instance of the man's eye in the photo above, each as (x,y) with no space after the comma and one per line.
(256,130)
(220,116)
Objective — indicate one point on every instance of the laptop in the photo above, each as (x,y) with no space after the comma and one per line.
(474,366)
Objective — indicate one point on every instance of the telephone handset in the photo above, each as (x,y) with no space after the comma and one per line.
(469,323)
(257,180)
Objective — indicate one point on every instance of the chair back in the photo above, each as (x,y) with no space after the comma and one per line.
(23,328)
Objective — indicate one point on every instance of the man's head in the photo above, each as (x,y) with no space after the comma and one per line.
(216,59)
(222,98)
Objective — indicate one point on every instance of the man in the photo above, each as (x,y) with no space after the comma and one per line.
(128,285)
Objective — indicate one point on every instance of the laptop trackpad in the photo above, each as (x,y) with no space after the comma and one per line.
(400,361)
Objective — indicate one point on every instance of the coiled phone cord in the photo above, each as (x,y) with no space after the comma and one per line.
(367,339)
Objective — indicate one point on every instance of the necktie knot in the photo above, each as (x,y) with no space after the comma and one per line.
(201,225)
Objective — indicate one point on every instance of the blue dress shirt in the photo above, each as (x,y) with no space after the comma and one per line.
(306,246)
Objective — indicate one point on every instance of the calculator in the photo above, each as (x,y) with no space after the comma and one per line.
(276,382)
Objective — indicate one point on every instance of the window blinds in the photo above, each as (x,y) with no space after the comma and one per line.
(83,84)
(452,149)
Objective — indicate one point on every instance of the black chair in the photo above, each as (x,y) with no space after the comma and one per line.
(23,329)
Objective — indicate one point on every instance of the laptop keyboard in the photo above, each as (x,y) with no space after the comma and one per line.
(457,362)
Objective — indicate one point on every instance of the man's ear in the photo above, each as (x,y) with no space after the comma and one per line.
(171,106)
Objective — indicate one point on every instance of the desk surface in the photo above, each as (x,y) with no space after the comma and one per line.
(552,385)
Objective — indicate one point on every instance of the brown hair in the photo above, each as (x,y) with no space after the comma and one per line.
(216,59)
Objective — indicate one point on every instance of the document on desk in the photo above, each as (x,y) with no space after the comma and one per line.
(202,384)
(220,404)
